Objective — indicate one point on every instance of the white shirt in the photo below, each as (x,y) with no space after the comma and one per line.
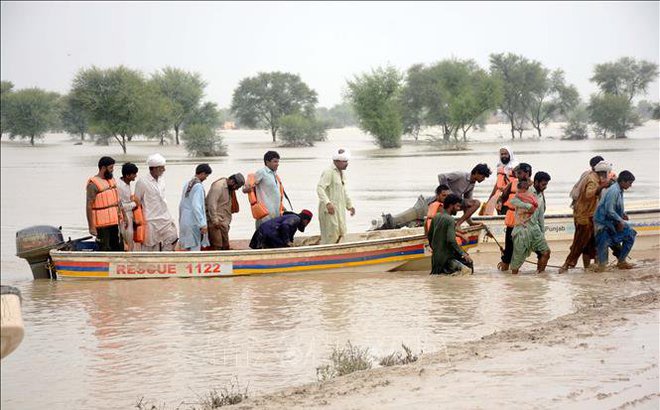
(125,197)
(151,193)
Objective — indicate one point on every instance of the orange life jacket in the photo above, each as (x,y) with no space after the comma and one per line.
(510,217)
(433,210)
(139,225)
(105,208)
(502,178)
(258,209)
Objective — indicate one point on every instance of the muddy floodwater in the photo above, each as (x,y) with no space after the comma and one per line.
(96,344)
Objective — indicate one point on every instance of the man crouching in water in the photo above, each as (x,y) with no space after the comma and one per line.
(448,257)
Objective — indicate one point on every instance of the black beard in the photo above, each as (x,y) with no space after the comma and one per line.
(505,160)
(108,175)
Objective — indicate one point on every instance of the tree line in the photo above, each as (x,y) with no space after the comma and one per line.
(457,95)
(452,95)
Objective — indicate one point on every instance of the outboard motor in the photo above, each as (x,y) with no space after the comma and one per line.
(34,244)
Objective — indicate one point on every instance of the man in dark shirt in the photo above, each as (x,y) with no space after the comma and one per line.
(279,232)
(448,257)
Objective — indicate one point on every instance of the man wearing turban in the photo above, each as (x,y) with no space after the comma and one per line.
(333,199)
(161,232)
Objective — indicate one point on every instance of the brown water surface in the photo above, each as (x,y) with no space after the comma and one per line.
(99,344)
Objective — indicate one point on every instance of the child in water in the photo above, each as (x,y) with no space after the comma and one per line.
(523,214)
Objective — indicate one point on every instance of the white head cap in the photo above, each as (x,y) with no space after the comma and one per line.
(603,166)
(156,160)
(341,154)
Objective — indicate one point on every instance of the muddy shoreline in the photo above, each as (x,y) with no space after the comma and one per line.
(593,334)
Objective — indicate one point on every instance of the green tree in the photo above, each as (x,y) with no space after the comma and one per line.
(297,130)
(184,90)
(30,112)
(116,101)
(375,99)
(577,125)
(550,96)
(5,89)
(452,94)
(625,77)
(612,114)
(73,117)
(339,116)
(520,78)
(208,115)
(263,100)
(200,140)
(656,111)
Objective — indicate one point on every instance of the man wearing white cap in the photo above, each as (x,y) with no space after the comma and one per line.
(333,199)
(150,190)
(583,212)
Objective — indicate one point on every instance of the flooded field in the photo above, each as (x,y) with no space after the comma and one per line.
(105,344)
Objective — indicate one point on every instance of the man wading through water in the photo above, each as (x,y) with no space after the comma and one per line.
(448,257)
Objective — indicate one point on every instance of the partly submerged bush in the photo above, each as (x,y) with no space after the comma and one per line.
(398,358)
(344,360)
(297,130)
(202,141)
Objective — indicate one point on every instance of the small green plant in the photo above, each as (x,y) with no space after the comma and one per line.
(397,358)
(344,360)
(143,404)
(232,393)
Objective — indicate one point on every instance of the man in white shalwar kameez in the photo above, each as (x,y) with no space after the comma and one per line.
(193,228)
(150,191)
(128,201)
(333,199)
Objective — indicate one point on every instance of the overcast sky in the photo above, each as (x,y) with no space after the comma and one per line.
(45,44)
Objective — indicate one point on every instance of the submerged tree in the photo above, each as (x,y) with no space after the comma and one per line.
(375,97)
(184,90)
(115,99)
(520,77)
(261,101)
(30,112)
(551,96)
(5,89)
(612,114)
(73,117)
(202,141)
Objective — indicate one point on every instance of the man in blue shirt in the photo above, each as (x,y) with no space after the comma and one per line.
(611,226)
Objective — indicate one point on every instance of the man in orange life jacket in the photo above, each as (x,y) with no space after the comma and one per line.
(436,206)
(268,187)
(505,172)
(104,213)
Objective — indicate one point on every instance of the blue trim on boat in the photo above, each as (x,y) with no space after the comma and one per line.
(82,268)
(330,261)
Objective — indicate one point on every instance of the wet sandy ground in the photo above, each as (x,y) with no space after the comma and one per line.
(604,355)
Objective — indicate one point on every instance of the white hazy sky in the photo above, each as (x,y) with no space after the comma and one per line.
(45,43)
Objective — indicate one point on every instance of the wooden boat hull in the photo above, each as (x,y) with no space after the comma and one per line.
(369,252)
(11,321)
(376,251)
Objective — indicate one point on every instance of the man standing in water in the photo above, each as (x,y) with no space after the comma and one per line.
(129,173)
(333,199)
(530,236)
(611,224)
(448,257)
(103,211)
(150,191)
(192,212)
(583,212)
(462,185)
(523,172)
(221,203)
(505,172)
(268,192)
